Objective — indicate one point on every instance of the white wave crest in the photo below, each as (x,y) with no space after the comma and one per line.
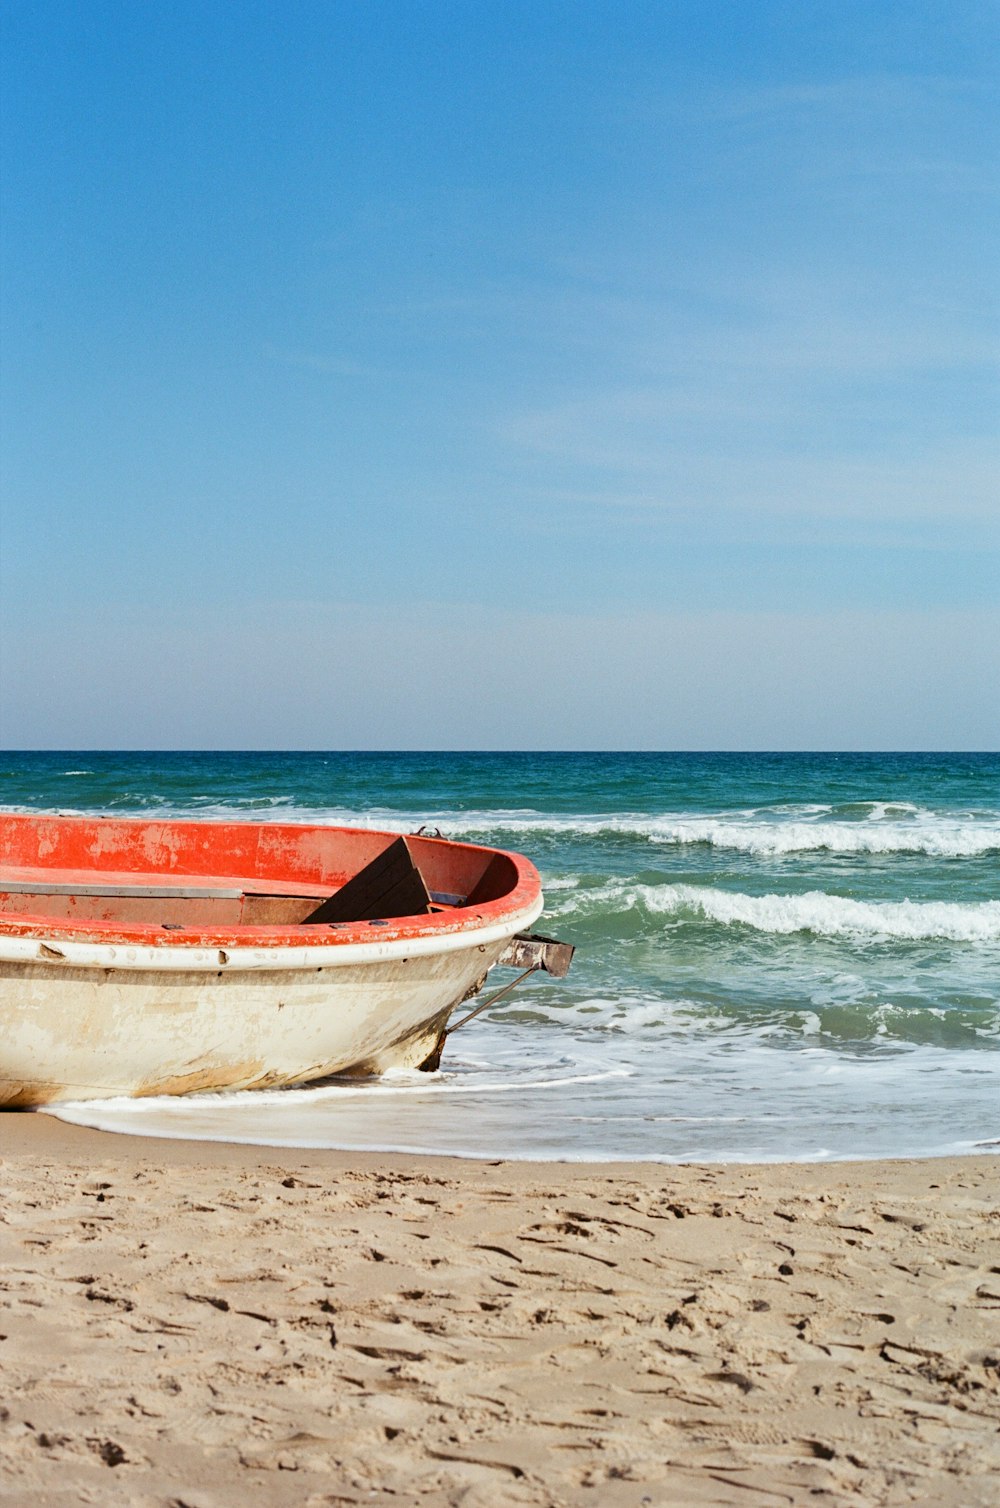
(940,838)
(816,912)
(886,830)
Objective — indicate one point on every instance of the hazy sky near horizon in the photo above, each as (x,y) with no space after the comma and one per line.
(384,374)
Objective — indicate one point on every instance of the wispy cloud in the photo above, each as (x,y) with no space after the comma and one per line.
(952,486)
(792,401)
(322,365)
(848,95)
(932,127)
(833,98)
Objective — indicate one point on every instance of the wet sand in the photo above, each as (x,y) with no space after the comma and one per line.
(190,1325)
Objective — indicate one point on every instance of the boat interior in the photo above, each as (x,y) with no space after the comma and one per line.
(177,875)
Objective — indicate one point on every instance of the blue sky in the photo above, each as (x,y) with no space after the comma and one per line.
(402,374)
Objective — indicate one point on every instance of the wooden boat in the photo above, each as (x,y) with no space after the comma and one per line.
(164,957)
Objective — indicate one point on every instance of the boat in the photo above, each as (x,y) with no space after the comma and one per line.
(142,957)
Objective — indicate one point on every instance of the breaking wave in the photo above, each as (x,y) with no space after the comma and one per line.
(886,829)
(859,828)
(816,912)
(937,838)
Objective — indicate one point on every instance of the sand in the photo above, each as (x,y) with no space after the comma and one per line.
(206,1326)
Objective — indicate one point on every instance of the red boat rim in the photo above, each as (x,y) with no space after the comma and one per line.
(107,854)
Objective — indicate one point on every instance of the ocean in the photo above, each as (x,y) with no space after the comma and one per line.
(779,956)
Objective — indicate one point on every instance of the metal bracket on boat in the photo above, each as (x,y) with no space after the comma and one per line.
(537,953)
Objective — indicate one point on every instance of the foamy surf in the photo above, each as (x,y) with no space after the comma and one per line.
(661,1101)
(816,912)
(885,828)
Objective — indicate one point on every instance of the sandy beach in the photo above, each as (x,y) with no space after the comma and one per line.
(200,1325)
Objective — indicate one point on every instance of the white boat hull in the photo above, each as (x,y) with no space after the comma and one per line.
(85,1020)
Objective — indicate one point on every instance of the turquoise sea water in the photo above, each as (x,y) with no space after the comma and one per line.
(778,956)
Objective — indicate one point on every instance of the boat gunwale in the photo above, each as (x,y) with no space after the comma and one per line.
(442,930)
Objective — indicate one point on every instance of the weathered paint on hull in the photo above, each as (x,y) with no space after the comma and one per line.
(99,1031)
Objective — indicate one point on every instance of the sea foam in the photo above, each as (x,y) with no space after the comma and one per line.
(862,829)
(815,911)
(886,829)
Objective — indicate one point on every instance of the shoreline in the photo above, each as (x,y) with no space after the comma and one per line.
(23,1142)
(198,1322)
